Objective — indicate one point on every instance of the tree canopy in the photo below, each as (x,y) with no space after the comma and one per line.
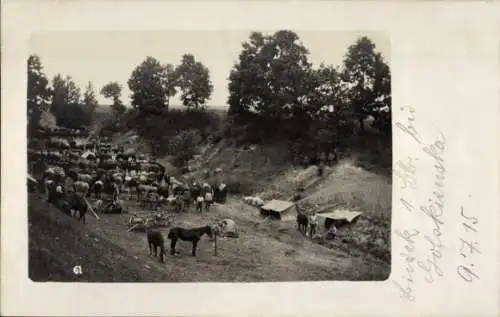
(113,90)
(367,80)
(67,105)
(193,80)
(271,75)
(38,90)
(150,83)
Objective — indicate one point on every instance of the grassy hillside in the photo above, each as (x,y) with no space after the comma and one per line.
(57,243)
(265,171)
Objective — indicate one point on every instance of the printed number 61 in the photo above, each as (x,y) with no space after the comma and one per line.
(77,270)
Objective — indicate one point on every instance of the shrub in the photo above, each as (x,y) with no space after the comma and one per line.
(183,145)
(239,187)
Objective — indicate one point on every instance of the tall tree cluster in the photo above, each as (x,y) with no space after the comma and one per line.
(67,104)
(153,84)
(39,92)
(61,97)
(273,79)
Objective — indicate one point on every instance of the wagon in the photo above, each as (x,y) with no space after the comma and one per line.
(138,223)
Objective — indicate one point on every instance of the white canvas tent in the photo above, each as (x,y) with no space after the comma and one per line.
(338,217)
(279,209)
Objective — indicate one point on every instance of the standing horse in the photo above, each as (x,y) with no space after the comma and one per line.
(194,235)
(302,223)
(155,240)
(77,203)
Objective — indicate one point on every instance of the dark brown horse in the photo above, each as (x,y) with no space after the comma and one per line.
(155,241)
(194,235)
(302,223)
(77,203)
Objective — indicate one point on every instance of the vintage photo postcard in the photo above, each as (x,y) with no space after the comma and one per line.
(250,158)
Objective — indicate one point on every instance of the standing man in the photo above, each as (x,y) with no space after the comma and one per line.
(199,203)
(116,194)
(209,196)
(313,224)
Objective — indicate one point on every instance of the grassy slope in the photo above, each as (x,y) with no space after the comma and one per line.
(263,171)
(57,243)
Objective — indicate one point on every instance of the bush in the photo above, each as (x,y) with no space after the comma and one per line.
(184,146)
(239,187)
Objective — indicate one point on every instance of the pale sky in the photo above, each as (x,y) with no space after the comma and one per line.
(107,56)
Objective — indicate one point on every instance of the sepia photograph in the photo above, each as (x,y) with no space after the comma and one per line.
(209,156)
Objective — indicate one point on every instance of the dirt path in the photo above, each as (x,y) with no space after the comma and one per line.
(265,251)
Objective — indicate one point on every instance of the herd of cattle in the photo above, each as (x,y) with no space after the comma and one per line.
(69,169)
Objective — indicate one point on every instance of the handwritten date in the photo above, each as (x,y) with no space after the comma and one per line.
(469,248)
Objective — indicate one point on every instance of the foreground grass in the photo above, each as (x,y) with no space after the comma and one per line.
(57,243)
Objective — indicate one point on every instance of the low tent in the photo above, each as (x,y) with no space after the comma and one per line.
(338,217)
(279,209)
(227,228)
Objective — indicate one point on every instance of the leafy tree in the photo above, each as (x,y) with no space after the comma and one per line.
(114,90)
(151,86)
(38,95)
(66,103)
(65,92)
(193,79)
(171,82)
(383,102)
(271,76)
(183,144)
(366,78)
(59,93)
(326,105)
(89,98)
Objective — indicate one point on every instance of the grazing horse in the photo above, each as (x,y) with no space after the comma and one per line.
(155,240)
(302,223)
(194,235)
